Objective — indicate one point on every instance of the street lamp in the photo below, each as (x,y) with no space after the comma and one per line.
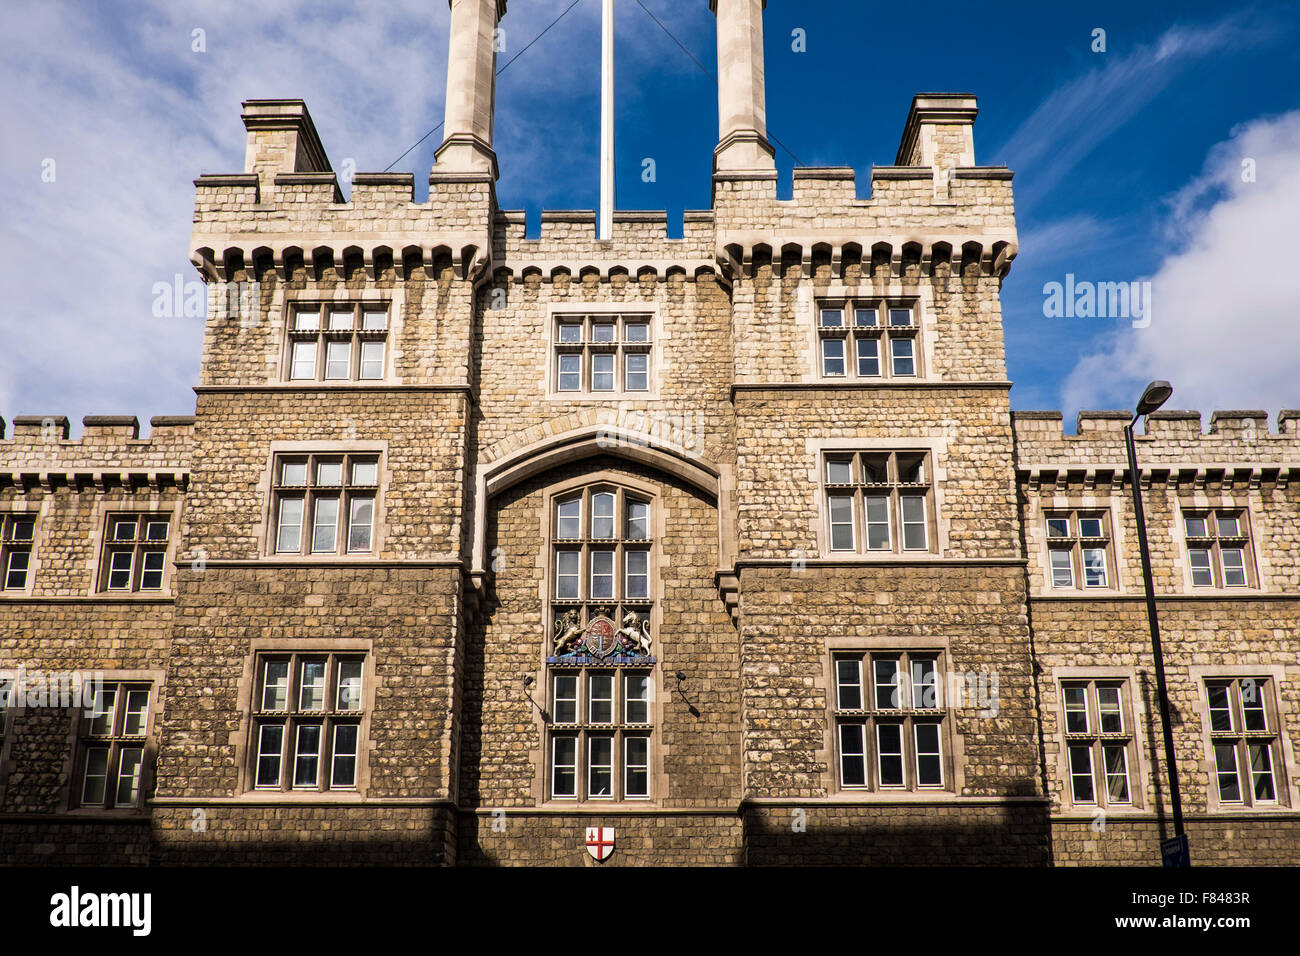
(1175,851)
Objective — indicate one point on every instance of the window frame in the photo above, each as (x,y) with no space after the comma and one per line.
(1098,741)
(1242,738)
(587,347)
(11,545)
(357,336)
(1077,545)
(864,492)
(883,333)
(312,492)
(140,547)
(115,742)
(1215,544)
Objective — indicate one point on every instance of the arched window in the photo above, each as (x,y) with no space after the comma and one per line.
(599,652)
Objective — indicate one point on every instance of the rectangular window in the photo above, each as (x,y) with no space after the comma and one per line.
(866,340)
(602,352)
(307,712)
(352,344)
(600,767)
(878,502)
(111,747)
(564,766)
(1241,712)
(1099,746)
(898,729)
(135,552)
(16,535)
(564,699)
(636,766)
(1218,548)
(333,494)
(1082,556)
(603,752)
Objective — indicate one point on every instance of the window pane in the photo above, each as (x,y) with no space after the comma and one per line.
(1202,576)
(570,373)
(293,473)
(637,372)
(636,698)
(1090,527)
(1112,718)
(566,574)
(848,682)
(343,774)
(1229,526)
(900,317)
(832,356)
(1234,567)
(602,332)
(1076,709)
(349,688)
(925,683)
(306,772)
(1094,567)
(1220,707)
(275,685)
(338,359)
(564,765)
(289,532)
(1225,762)
(361,519)
(119,570)
(889,744)
(312,692)
(602,515)
(865,317)
(832,318)
(1116,761)
(307,320)
(600,696)
(16,569)
(1252,703)
(570,332)
(374,320)
(101,719)
(325,525)
(929,760)
(885,670)
(269,748)
(151,571)
(853,758)
(1062,568)
(636,332)
(564,703)
(372,360)
(638,520)
(637,584)
(1261,772)
(839,471)
(904,361)
(877,523)
(1195,525)
(340,320)
(602,372)
(95,783)
(1081,782)
(868,357)
(365,472)
(636,760)
(841,507)
(1058,527)
(128,777)
(914,529)
(136,717)
(155,531)
(602,574)
(568,521)
(600,762)
(303,364)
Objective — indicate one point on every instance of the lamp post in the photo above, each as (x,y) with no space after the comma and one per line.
(1175,852)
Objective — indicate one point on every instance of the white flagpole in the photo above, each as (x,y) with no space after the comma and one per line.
(605,227)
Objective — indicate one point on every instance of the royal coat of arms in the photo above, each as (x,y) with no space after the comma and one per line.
(601,637)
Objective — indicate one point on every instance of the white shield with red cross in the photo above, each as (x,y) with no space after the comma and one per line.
(600,842)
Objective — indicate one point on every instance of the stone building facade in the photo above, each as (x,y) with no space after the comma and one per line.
(728,544)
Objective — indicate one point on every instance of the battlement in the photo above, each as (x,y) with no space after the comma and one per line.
(40,449)
(1172,440)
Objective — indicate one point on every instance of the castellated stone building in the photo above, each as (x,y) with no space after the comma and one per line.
(725,549)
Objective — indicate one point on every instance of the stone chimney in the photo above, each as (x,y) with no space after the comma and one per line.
(742,102)
(471,90)
(281,139)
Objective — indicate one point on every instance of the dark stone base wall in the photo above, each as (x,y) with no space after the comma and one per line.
(41,841)
(1213,841)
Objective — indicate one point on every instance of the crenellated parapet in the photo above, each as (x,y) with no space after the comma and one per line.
(109,453)
(1237,448)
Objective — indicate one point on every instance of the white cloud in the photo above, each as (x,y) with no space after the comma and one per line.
(1226,327)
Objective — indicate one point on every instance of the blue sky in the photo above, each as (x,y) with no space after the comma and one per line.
(1128,162)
